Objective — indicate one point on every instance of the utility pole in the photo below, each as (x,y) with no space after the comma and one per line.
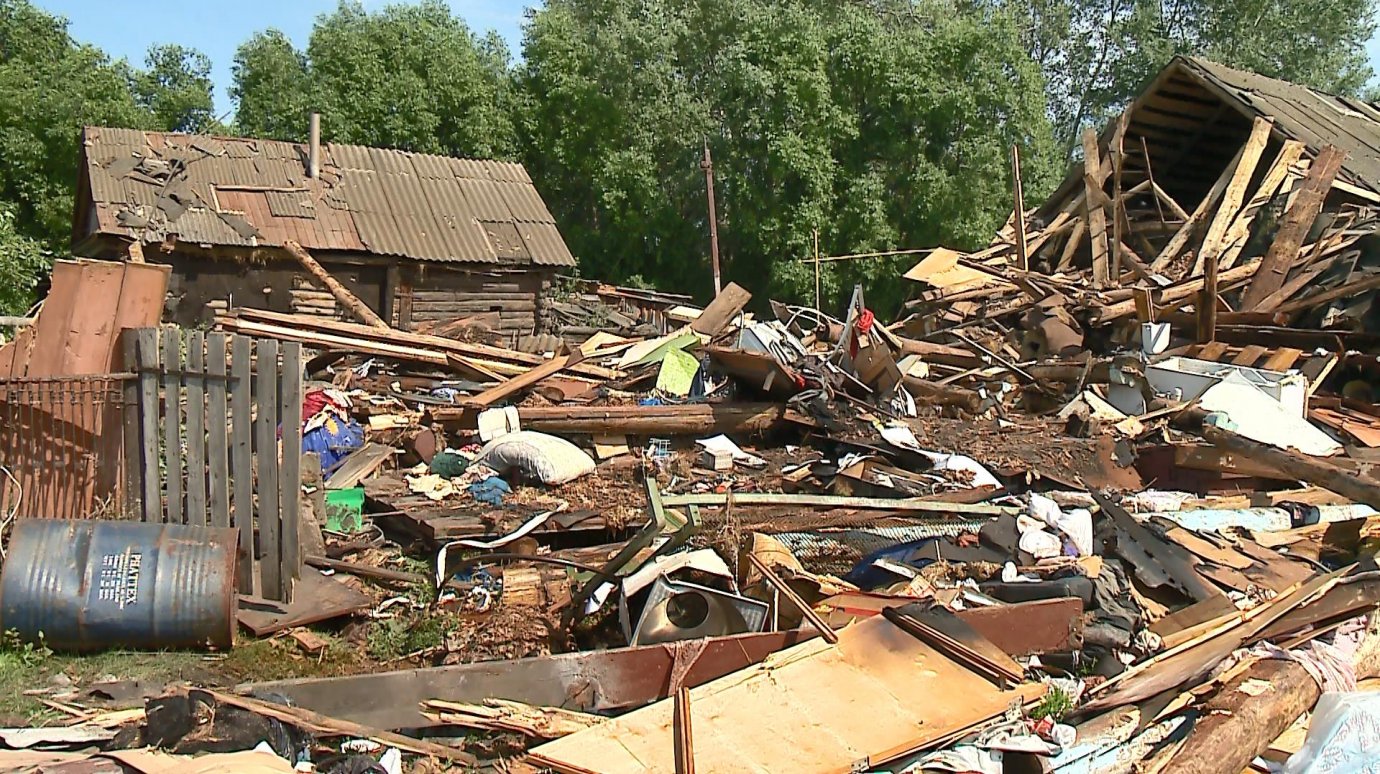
(708,166)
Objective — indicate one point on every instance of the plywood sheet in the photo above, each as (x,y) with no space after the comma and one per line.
(811,708)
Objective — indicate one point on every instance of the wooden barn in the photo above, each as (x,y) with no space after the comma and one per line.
(417,237)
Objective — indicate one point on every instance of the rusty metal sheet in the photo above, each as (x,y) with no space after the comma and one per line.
(588,681)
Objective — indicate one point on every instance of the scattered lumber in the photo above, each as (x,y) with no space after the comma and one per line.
(515,716)
(1310,470)
(642,421)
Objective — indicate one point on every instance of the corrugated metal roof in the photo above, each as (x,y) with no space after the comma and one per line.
(373,200)
(1313,117)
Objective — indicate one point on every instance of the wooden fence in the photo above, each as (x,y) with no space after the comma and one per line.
(216,441)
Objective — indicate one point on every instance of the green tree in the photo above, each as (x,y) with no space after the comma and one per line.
(51,86)
(271,88)
(22,262)
(1098,54)
(175,89)
(408,76)
(884,124)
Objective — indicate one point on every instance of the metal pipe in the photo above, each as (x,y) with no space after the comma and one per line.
(314,147)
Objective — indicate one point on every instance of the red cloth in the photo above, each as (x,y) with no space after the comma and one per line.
(314,402)
(861,326)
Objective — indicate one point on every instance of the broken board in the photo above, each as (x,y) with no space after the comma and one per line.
(867,690)
(316,598)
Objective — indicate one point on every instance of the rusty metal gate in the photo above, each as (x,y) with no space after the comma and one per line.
(61,446)
(217,441)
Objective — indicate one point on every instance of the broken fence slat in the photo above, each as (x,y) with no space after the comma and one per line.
(196,428)
(289,412)
(171,345)
(266,455)
(218,431)
(146,357)
(242,456)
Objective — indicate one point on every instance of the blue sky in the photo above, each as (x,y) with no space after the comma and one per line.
(216,27)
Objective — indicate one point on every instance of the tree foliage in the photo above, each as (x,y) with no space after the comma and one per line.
(408,76)
(881,124)
(23,261)
(1098,54)
(50,86)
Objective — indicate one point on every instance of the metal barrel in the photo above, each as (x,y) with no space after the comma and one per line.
(90,585)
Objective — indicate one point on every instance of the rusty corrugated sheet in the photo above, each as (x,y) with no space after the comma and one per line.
(376,200)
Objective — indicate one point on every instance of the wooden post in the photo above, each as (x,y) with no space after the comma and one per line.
(1284,251)
(359,309)
(1295,465)
(818,286)
(1022,257)
(708,166)
(1207,304)
(1096,217)
(1118,206)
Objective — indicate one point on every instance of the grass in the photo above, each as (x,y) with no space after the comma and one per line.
(26,667)
(1055,705)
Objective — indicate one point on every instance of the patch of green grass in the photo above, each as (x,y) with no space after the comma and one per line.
(29,666)
(1056,705)
(254,660)
(391,639)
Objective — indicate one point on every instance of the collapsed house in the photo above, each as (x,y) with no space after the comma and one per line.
(1103,501)
(416,237)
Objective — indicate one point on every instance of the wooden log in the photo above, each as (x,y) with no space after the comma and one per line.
(693,419)
(1174,293)
(1295,465)
(1252,710)
(928,392)
(1096,218)
(358,308)
(1284,251)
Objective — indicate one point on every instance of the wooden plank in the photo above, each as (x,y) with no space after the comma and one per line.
(531,377)
(722,310)
(1180,239)
(320,725)
(318,598)
(1213,351)
(1284,251)
(1248,355)
(359,465)
(241,389)
(146,356)
(1283,359)
(171,346)
(1247,160)
(218,435)
(196,428)
(129,394)
(270,551)
(1096,218)
(1277,180)
(290,476)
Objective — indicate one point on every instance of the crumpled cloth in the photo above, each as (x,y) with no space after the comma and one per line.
(1328,665)
(490,491)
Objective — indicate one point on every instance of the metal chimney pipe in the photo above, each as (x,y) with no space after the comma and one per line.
(314,147)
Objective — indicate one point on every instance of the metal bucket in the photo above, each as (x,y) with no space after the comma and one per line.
(89,585)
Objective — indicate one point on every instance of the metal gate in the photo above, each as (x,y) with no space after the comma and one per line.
(217,441)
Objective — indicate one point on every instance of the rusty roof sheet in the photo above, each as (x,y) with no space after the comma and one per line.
(254,192)
(1313,117)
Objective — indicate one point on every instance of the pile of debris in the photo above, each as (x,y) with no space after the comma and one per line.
(1052,519)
